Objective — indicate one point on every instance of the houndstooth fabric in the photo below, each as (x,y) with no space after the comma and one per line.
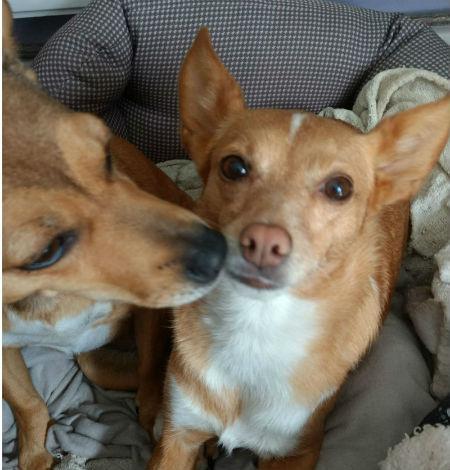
(120,58)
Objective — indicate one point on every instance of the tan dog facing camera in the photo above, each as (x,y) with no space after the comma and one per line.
(83,240)
(316,215)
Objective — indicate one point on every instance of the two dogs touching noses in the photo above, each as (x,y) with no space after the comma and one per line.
(314,215)
(94,236)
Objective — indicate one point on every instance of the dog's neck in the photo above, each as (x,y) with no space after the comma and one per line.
(70,323)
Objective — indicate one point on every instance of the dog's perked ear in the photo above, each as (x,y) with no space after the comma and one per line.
(208,95)
(8,44)
(10,60)
(407,147)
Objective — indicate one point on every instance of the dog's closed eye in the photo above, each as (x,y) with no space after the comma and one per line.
(53,252)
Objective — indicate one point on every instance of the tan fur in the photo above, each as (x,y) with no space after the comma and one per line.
(153,337)
(308,453)
(51,186)
(135,165)
(130,245)
(29,410)
(194,345)
(177,451)
(225,406)
(345,257)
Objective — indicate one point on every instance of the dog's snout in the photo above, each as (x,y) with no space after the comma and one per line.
(205,255)
(265,245)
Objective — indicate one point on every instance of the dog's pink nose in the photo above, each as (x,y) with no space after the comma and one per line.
(265,245)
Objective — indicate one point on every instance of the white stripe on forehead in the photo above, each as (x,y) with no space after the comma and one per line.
(296,121)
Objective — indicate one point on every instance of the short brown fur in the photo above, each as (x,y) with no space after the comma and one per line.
(129,248)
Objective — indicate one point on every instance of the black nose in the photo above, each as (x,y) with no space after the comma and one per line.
(204,255)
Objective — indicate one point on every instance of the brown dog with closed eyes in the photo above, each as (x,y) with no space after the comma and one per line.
(83,240)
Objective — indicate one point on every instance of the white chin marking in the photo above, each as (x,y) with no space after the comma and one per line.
(191,295)
(75,333)
(296,122)
(251,292)
(256,345)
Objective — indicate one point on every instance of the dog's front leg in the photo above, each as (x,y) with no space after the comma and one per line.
(306,461)
(178,449)
(30,411)
(153,339)
(308,450)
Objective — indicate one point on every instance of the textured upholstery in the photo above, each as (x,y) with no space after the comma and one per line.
(120,58)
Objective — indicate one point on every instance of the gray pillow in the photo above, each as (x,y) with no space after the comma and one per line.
(384,399)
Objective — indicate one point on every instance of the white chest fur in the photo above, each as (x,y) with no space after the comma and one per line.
(72,334)
(257,341)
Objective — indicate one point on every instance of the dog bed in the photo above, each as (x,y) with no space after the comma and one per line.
(120,59)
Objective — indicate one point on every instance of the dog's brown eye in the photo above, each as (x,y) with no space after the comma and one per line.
(338,188)
(234,167)
(54,251)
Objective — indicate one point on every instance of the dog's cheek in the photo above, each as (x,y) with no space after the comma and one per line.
(17,287)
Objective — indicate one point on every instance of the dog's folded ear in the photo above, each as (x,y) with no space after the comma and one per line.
(407,147)
(83,140)
(208,95)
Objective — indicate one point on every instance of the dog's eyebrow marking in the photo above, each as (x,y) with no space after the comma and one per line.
(296,121)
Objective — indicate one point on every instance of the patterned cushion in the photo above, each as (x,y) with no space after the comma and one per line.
(120,58)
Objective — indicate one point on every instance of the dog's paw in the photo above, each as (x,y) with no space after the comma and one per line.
(150,413)
(151,423)
(148,419)
(42,460)
(158,426)
(207,455)
(202,462)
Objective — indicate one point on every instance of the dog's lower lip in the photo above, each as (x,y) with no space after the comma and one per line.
(252,281)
